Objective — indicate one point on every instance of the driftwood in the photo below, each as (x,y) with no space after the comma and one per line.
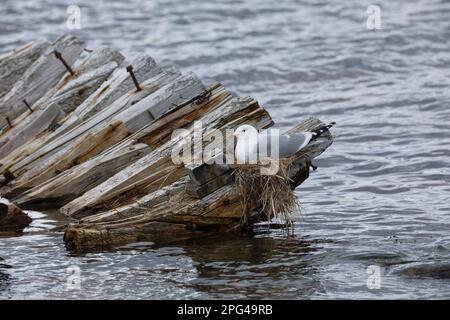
(98,144)
(12,218)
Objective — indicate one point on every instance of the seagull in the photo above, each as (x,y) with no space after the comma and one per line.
(252,145)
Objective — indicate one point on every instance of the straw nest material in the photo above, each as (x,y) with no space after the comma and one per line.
(271,194)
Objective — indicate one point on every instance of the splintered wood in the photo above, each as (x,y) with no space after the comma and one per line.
(92,135)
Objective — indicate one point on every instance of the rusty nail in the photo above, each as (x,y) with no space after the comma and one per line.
(28,106)
(136,83)
(58,55)
(9,122)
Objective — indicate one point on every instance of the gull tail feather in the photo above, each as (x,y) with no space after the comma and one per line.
(318,132)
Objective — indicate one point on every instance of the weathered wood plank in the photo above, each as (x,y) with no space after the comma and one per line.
(70,93)
(112,89)
(115,87)
(167,98)
(58,150)
(65,142)
(171,204)
(164,211)
(159,132)
(40,77)
(74,182)
(214,183)
(14,64)
(89,147)
(157,169)
(80,238)
(111,230)
(155,204)
(162,101)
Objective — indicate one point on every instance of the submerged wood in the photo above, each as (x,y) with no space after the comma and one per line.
(39,78)
(84,239)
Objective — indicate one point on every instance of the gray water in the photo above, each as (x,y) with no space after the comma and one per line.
(380,198)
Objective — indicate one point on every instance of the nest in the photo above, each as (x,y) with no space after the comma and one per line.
(271,194)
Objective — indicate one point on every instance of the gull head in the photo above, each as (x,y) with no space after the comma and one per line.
(245,132)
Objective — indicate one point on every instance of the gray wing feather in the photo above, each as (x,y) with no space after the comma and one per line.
(289,144)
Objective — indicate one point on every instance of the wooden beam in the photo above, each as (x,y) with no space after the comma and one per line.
(14,64)
(167,98)
(158,217)
(70,92)
(111,90)
(74,182)
(157,168)
(80,238)
(40,77)
(115,87)
(57,152)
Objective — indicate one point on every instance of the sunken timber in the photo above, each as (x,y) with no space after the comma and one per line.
(89,133)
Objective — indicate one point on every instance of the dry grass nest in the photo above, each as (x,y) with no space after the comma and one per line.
(271,194)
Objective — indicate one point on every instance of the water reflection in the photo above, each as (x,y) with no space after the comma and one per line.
(248,267)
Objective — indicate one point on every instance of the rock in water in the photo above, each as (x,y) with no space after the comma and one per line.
(12,218)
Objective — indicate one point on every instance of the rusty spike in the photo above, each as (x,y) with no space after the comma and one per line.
(59,56)
(9,122)
(136,83)
(28,106)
